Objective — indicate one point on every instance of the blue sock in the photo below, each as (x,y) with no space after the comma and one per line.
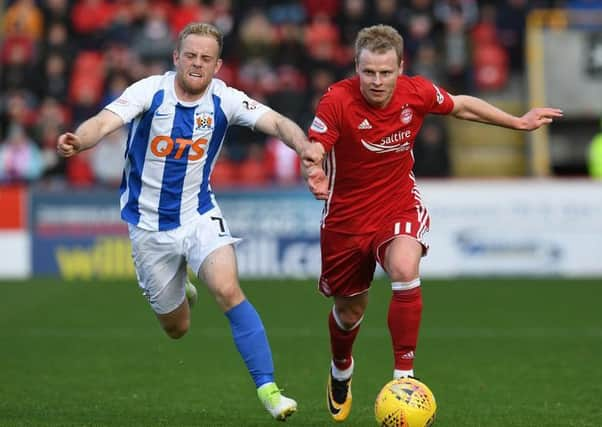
(251,341)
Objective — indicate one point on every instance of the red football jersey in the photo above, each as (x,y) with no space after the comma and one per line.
(370,160)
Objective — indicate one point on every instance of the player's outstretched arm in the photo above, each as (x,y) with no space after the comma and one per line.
(275,124)
(88,133)
(475,109)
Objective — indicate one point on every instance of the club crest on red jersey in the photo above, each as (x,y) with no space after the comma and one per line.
(406,115)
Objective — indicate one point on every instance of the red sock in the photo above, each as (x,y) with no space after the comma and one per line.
(404,322)
(341,343)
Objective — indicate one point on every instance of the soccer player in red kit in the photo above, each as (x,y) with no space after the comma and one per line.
(365,126)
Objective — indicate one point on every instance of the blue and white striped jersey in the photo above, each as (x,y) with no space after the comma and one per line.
(172,147)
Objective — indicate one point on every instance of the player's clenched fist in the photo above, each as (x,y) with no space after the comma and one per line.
(68,144)
(312,154)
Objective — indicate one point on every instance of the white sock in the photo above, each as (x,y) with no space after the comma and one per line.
(400,373)
(343,375)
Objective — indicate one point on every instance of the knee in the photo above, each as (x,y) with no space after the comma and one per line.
(177,330)
(402,273)
(229,296)
(349,317)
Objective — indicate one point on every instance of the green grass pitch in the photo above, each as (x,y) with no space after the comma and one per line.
(496,352)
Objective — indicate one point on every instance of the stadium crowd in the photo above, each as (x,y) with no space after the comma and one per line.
(62,61)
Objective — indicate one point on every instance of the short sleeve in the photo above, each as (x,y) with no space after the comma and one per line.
(436,99)
(241,109)
(135,99)
(325,126)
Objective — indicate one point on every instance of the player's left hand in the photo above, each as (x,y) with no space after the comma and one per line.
(537,117)
(317,182)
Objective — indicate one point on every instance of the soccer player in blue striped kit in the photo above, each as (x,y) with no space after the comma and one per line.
(177,122)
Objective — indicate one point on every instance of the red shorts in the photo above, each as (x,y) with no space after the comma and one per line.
(349,260)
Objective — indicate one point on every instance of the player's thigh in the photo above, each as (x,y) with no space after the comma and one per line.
(219,272)
(400,244)
(402,258)
(160,268)
(347,264)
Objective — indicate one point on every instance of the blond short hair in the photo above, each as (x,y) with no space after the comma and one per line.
(379,39)
(201,29)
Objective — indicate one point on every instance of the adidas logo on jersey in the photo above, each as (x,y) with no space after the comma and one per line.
(365,125)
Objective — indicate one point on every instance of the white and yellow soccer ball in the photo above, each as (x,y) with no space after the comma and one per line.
(405,402)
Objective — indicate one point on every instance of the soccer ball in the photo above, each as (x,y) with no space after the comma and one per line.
(405,402)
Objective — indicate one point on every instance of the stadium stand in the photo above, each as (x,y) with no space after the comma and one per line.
(84,52)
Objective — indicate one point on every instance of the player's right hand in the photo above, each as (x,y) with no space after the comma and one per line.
(317,182)
(312,154)
(68,144)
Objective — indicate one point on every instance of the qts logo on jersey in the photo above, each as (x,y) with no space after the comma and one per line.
(163,146)
(204,121)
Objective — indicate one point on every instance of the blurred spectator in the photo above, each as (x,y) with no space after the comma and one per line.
(257,37)
(16,112)
(489,58)
(120,29)
(352,18)
(282,163)
(283,12)
(223,18)
(57,11)
(23,18)
(431,149)
(426,63)
(86,83)
(186,11)
(52,120)
(253,171)
(257,77)
(20,158)
(154,41)
(289,98)
(90,19)
(79,170)
(57,40)
(511,19)
(467,11)
(457,17)
(291,48)
(322,40)
(107,158)
(114,86)
(17,56)
(417,26)
(386,13)
(54,81)
(225,171)
(457,59)
(329,8)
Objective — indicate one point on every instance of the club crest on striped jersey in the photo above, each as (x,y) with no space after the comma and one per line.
(204,121)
